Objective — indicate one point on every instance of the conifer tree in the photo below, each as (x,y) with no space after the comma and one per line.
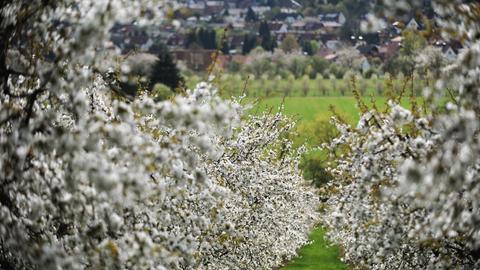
(251,16)
(165,70)
(268,43)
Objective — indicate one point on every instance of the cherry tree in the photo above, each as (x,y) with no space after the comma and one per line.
(92,180)
(408,185)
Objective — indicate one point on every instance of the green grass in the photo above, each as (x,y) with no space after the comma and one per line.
(318,255)
(307,109)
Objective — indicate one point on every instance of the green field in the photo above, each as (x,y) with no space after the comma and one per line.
(318,255)
(307,109)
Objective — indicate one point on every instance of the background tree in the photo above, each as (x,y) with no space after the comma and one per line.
(249,43)
(333,83)
(165,71)
(307,47)
(289,44)
(225,47)
(90,180)
(408,178)
(305,85)
(267,41)
(251,16)
(203,37)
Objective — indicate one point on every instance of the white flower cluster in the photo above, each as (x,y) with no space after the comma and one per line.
(408,188)
(89,181)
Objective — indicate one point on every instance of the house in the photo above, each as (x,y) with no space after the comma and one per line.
(395,29)
(261,10)
(224,60)
(334,44)
(388,50)
(128,37)
(450,53)
(324,51)
(331,57)
(289,4)
(313,27)
(287,17)
(214,7)
(176,40)
(206,18)
(234,15)
(372,38)
(332,20)
(274,26)
(298,26)
(365,65)
(310,36)
(368,50)
(450,50)
(244,4)
(229,4)
(238,25)
(397,40)
(235,43)
(197,7)
(413,24)
(283,29)
(195,59)
(280,31)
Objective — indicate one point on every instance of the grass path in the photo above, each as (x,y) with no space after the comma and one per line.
(319,255)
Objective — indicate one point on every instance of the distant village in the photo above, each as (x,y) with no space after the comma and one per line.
(193,30)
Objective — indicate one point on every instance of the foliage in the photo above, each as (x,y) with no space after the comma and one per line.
(404,60)
(289,44)
(251,16)
(349,59)
(407,184)
(161,92)
(249,43)
(92,181)
(268,42)
(165,71)
(206,38)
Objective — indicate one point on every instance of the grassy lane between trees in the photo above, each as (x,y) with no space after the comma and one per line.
(319,255)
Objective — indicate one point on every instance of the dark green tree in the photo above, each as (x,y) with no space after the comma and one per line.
(251,16)
(165,71)
(191,39)
(211,40)
(249,43)
(206,38)
(268,43)
(307,47)
(225,47)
